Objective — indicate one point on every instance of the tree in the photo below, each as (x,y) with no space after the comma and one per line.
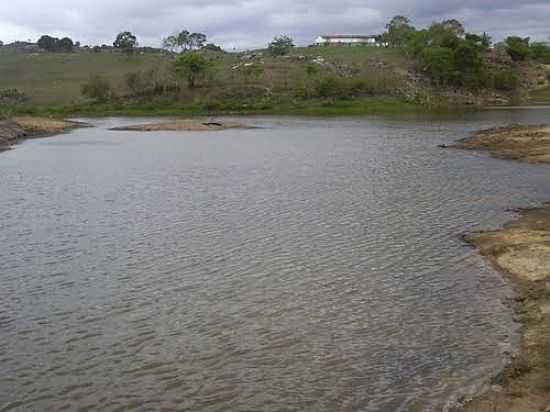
(280,46)
(191,66)
(467,58)
(47,43)
(197,40)
(182,40)
(65,44)
(1,43)
(170,43)
(518,48)
(469,65)
(454,26)
(481,43)
(398,31)
(443,36)
(126,42)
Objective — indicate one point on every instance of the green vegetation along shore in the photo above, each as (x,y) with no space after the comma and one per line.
(406,69)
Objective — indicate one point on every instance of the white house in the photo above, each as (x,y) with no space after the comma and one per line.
(347,40)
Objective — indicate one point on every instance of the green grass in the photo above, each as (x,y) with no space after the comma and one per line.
(57,78)
(354,55)
(374,105)
(53,83)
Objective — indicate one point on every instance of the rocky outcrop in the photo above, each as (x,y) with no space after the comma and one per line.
(10,133)
(18,128)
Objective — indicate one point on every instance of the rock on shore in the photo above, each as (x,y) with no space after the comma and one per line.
(10,132)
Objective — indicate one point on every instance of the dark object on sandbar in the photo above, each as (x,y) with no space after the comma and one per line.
(443,146)
(213,124)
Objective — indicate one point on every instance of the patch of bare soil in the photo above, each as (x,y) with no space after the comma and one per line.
(195,125)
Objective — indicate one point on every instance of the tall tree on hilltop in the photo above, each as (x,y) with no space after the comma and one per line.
(398,31)
(126,42)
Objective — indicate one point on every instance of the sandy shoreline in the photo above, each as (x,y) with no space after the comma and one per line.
(521,252)
(15,130)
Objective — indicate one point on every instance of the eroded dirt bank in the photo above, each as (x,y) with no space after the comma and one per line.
(521,251)
(14,130)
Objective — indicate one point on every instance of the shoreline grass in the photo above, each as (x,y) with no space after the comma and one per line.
(375,105)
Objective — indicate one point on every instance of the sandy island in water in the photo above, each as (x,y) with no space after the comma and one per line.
(14,130)
(191,125)
(521,251)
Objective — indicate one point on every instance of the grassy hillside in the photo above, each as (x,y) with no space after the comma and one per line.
(57,78)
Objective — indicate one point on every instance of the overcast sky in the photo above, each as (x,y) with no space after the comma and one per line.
(251,23)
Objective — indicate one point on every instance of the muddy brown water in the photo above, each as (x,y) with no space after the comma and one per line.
(310,264)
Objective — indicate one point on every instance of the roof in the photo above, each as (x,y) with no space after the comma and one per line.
(348,36)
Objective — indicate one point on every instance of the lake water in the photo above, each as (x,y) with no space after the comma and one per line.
(307,265)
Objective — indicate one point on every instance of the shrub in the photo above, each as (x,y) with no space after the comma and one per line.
(192,66)
(280,46)
(312,69)
(12,96)
(140,82)
(98,88)
(506,80)
(518,48)
(330,86)
(437,63)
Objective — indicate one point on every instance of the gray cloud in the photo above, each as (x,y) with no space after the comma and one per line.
(251,23)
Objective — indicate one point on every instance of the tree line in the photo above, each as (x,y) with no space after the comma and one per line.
(449,55)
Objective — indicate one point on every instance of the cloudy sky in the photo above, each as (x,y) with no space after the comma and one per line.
(251,23)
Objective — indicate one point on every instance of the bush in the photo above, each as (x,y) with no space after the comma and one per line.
(506,80)
(98,88)
(192,66)
(280,46)
(331,87)
(312,69)
(140,83)
(518,48)
(438,64)
(10,97)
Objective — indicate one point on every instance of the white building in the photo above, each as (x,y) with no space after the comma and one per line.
(347,40)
